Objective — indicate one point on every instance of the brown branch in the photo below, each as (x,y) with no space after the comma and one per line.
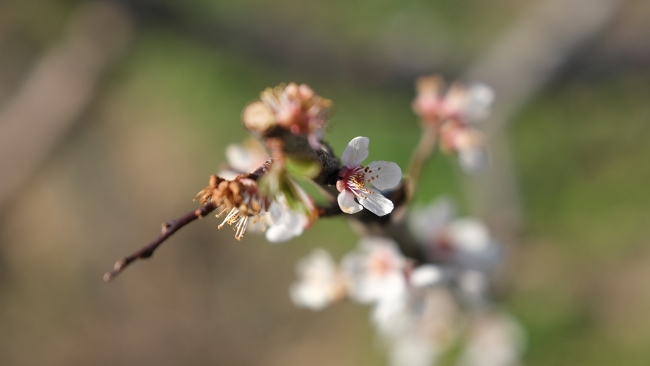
(168,228)
(332,210)
(57,91)
(421,154)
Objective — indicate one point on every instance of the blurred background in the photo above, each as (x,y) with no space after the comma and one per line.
(114,113)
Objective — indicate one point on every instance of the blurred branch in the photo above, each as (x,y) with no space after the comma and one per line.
(168,228)
(269,40)
(57,91)
(420,156)
(524,59)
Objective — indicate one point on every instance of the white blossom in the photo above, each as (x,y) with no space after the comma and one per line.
(418,326)
(412,351)
(474,246)
(494,339)
(463,242)
(356,178)
(375,270)
(426,275)
(283,222)
(430,222)
(319,281)
(244,158)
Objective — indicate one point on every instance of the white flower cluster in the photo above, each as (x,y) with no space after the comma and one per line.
(453,113)
(438,308)
(421,312)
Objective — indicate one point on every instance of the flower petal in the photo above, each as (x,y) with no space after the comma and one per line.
(355,152)
(383,174)
(473,160)
(479,99)
(275,213)
(376,203)
(293,225)
(309,297)
(347,202)
(469,234)
(426,275)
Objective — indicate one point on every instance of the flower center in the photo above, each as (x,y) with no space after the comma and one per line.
(352,179)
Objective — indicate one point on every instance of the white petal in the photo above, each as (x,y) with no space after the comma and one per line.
(347,202)
(479,100)
(469,234)
(426,275)
(473,160)
(292,226)
(309,297)
(275,213)
(383,174)
(279,234)
(239,158)
(412,350)
(355,152)
(376,203)
(429,222)
(228,174)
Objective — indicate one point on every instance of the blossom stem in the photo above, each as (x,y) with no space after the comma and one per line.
(421,154)
(168,228)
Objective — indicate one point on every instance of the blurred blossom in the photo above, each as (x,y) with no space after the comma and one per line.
(354,177)
(424,321)
(474,246)
(460,103)
(494,339)
(473,287)
(293,107)
(375,270)
(429,223)
(467,143)
(464,242)
(284,223)
(426,275)
(319,281)
(412,351)
(451,113)
(244,158)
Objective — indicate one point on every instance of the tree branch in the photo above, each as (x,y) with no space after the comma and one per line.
(421,154)
(168,228)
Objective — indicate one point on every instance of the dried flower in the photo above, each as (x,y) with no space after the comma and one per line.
(239,198)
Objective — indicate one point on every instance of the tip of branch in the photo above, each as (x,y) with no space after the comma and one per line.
(117,268)
(108,276)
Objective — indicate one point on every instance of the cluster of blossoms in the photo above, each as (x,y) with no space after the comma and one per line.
(421,312)
(452,114)
(292,107)
(435,307)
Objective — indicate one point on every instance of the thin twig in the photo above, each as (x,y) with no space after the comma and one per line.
(168,228)
(420,156)
(330,211)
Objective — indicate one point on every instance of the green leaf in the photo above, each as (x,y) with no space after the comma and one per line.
(304,168)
